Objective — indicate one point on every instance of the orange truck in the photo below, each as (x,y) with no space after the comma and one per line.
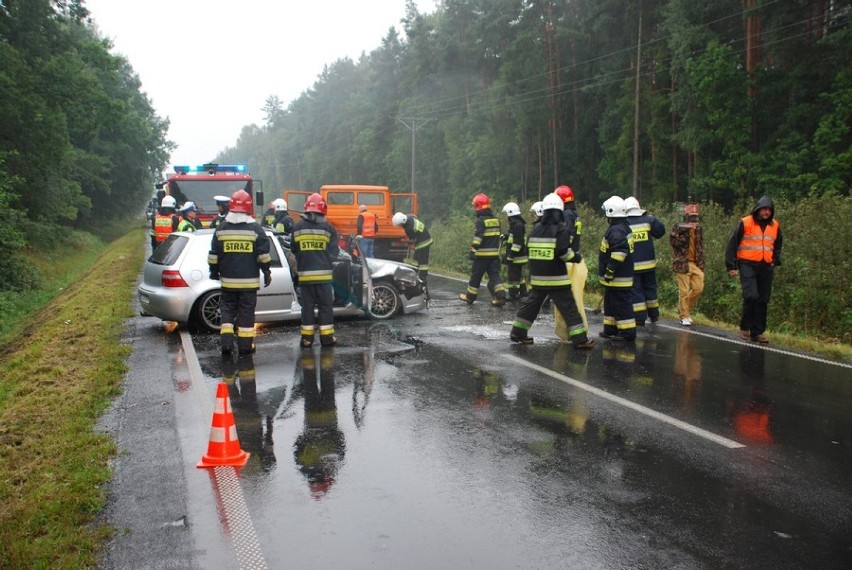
(343,201)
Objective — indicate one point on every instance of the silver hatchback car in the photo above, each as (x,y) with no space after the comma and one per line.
(176,285)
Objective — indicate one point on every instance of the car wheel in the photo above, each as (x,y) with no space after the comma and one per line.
(207,314)
(386,302)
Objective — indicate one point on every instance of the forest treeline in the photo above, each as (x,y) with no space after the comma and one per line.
(664,99)
(80,143)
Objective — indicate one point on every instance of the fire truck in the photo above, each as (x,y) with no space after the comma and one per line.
(343,208)
(199,184)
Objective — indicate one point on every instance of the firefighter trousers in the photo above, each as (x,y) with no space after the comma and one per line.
(237,312)
(563,298)
(618,319)
(644,294)
(481,266)
(319,296)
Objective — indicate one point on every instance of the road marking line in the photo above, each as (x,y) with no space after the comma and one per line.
(228,489)
(690,330)
(730,444)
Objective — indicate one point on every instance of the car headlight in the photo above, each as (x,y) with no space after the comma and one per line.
(406,277)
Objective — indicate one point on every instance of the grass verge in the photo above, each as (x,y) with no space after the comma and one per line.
(58,372)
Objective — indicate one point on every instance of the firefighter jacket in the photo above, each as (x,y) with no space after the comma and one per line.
(417,232)
(238,253)
(754,241)
(283,222)
(549,250)
(516,247)
(575,226)
(315,247)
(645,229)
(164,223)
(367,224)
(615,260)
(687,241)
(486,238)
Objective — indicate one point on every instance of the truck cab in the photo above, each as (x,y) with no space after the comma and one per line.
(199,184)
(343,202)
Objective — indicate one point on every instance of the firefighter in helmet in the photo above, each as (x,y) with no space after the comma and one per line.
(549,252)
(516,252)
(315,247)
(645,229)
(239,253)
(419,238)
(485,253)
(165,221)
(282,222)
(615,273)
(577,272)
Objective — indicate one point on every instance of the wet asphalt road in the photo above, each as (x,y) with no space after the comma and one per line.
(431,441)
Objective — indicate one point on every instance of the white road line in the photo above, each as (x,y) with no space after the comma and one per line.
(691,330)
(730,444)
(235,512)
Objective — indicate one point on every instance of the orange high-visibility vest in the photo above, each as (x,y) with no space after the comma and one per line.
(757,244)
(162,227)
(368,225)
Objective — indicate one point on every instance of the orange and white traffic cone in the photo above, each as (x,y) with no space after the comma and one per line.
(224,446)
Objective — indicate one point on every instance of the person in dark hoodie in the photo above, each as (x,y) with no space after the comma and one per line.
(754,250)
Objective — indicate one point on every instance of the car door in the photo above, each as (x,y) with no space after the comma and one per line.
(275,301)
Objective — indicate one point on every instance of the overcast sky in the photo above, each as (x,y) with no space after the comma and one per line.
(209,65)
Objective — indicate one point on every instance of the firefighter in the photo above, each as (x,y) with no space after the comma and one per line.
(282,222)
(549,251)
(420,239)
(645,229)
(165,221)
(367,227)
(754,250)
(189,218)
(537,212)
(484,251)
(269,214)
(222,206)
(615,273)
(516,252)
(577,272)
(239,252)
(315,246)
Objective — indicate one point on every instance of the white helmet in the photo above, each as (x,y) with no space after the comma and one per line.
(399,219)
(537,209)
(511,209)
(631,204)
(188,207)
(168,202)
(615,207)
(552,202)
(280,204)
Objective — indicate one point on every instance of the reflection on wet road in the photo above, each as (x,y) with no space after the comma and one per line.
(431,441)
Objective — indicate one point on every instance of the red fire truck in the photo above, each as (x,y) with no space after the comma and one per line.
(199,184)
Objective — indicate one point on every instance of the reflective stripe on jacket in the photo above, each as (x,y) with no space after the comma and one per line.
(163,226)
(239,252)
(757,244)
(315,247)
(486,239)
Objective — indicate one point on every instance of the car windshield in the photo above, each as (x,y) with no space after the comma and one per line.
(168,252)
(202,191)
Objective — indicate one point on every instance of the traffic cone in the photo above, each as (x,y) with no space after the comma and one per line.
(224,446)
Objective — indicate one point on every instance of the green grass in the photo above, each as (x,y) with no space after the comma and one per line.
(60,369)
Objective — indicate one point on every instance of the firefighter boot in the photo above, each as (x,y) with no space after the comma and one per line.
(307,334)
(467,298)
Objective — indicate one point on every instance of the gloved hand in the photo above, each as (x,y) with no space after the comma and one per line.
(214,273)
(609,275)
(578,257)
(471,255)
(267,278)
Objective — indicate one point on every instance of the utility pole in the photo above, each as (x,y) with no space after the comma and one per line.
(636,110)
(415,123)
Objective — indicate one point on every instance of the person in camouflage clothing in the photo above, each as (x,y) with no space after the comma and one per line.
(687,239)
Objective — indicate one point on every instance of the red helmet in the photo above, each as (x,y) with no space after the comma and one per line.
(315,203)
(481,201)
(241,202)
(565,193)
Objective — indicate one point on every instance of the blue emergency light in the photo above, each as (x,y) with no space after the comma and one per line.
(211,168)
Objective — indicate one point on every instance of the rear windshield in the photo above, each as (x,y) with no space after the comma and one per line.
(168,252)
